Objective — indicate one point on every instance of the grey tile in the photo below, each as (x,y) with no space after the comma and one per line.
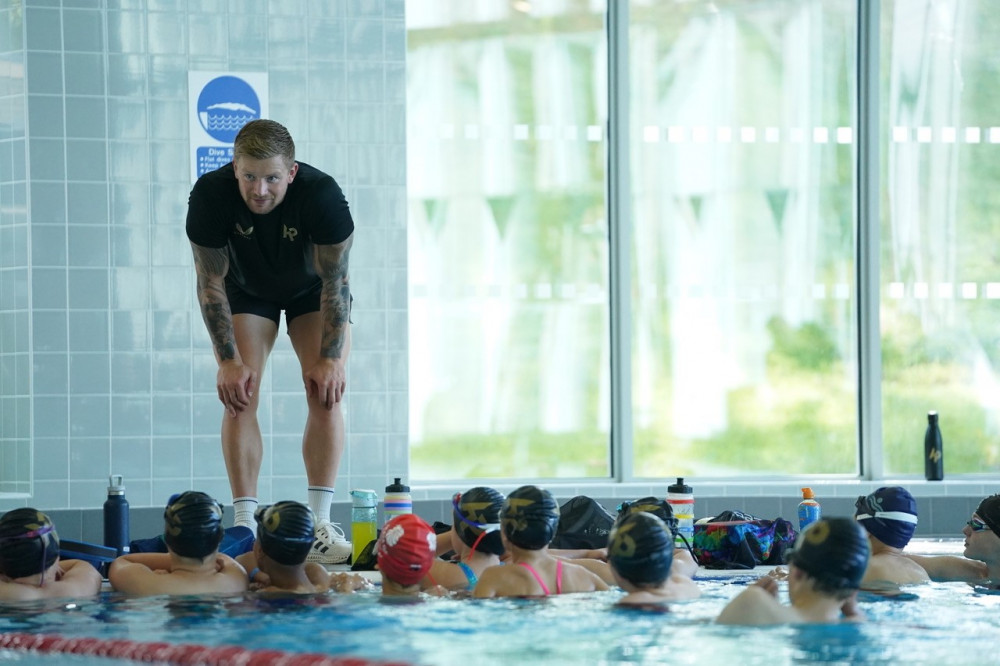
(85,75)
(90,373)
(49,291)
(89,416)
(83,30)
(43,28)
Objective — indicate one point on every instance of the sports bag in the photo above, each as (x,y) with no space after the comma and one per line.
(583,524)
(727,543)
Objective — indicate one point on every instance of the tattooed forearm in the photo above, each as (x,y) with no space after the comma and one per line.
(335,302)
(211,266)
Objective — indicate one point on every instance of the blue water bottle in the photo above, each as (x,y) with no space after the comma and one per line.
(116,516)
(809,510)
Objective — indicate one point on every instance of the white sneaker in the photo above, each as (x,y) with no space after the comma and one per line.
(331,545)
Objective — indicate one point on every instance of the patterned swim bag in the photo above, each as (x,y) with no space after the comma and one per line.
(733,540)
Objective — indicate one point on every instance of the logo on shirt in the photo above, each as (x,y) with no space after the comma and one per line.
(245,233)
(289,233)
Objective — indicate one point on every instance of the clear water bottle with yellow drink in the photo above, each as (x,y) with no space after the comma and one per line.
(364,520)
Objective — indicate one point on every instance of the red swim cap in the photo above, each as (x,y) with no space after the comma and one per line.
(406,549)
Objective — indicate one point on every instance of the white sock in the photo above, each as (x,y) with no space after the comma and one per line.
(320,498)
(245,507)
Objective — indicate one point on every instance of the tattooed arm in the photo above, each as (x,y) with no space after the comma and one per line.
(327,380)
(234,381)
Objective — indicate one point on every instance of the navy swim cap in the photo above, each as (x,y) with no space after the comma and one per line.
(193,524)
(834,551)
(529,518)
(889,515)
(286,531)
(28,543)
(641,548)
(989,512)
(475,512)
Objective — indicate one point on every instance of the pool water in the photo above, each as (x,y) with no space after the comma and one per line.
(939,623)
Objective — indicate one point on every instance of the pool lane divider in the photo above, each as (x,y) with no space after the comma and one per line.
(172,653)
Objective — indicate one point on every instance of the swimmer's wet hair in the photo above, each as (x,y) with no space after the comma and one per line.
(29,543)
(530,517)
(286,531)
(193,524)
(476,517)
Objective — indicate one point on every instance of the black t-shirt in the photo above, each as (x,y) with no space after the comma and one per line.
(270,256)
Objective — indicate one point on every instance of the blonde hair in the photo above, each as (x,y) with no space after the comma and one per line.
(263,139)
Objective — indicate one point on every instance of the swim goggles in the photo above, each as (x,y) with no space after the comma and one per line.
(485,527)
(866,511)
(976,525)
(33,534)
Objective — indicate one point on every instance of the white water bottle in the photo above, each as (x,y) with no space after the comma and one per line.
(680,497)
(397,500)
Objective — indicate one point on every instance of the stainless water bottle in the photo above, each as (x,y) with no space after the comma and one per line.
(116,516)
(933,453)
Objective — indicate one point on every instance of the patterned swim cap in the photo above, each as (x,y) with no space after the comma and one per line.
(654,505)
(406,549)
(889,514)
(28,543)
(641,548)
(193,524)
(476,517)
(530,517)
(286,531)
(834,551)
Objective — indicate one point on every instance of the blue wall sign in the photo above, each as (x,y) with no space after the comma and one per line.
(222,104)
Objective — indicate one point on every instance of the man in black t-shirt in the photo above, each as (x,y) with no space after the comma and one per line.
(271,234)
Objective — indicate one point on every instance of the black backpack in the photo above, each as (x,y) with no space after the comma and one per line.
(583,524)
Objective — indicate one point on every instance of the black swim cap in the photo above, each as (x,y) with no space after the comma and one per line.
(193,524)
(654,505)
(529,517)
(989,512)
(641,548)
(834,551)
(477,511)
(28,543)
(286,531)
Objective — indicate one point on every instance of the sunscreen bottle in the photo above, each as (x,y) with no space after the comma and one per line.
(809,510)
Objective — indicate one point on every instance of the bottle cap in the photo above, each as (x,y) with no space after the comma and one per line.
(932,417)
(116,485)
(807,493)
(397,487)
(680,487)
(364,497)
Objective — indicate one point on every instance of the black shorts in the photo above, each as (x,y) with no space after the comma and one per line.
(240,302)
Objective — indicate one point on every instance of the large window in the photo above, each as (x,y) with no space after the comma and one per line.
(742,184)
(508,249)
(940,231)
(743,227)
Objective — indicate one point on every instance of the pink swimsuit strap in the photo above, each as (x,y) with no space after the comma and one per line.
(545,588)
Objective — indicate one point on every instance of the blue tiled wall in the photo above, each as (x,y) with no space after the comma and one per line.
(105,365)
(15,374)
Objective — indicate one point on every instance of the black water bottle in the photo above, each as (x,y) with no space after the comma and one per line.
(116,516)
(933,453)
